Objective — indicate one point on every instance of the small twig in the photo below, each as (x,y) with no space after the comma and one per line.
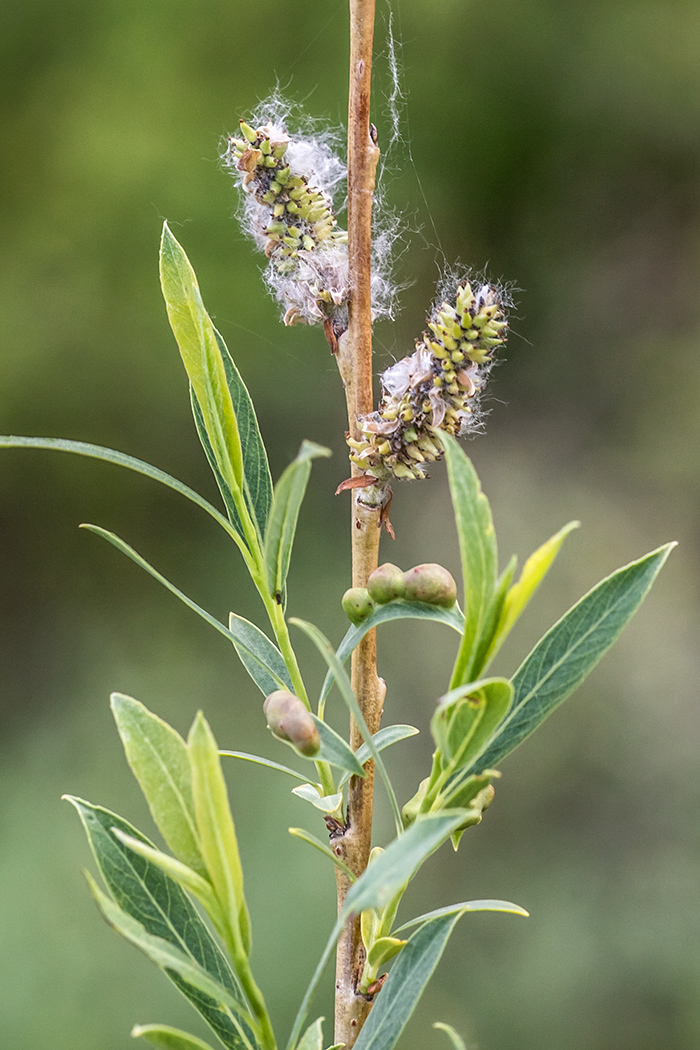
(354,358)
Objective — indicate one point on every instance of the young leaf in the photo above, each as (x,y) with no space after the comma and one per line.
(461,909)
(326,803)
(467,718)
(261,658)
(534,571)
(217,833)
(158,759)
(165,1038)
(382,739)
(335,750)
(405,984)
(305,836)
(382,950)
(203,363)
(264,762)
(257,483)
(454,1036)
(484,652)
(312,1039)
(286,503)
(399,862)
(157,902)
(477,545)
(571,649)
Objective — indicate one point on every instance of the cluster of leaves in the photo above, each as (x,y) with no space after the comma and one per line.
(477,722)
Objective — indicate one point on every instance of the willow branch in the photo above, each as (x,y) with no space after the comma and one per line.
(355,364)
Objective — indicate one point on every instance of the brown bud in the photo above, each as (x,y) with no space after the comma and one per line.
(289,720)
(432,584)
(386,584)
(357,604)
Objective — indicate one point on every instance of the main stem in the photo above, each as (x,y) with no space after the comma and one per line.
(355,364)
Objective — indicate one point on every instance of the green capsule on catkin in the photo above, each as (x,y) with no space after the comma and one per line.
(357,604)
(432,584)
(289,720)
(386,584)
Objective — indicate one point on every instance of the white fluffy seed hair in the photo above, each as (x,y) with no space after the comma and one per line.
(316,151)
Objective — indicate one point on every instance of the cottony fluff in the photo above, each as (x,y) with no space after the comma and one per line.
(436,389)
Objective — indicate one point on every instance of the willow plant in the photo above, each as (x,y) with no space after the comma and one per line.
(186,908)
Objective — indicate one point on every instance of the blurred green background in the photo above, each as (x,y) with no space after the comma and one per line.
(557,142)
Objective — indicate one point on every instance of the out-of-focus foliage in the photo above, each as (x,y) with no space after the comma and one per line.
(557,142)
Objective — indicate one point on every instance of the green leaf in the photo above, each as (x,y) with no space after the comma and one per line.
(157,902)
(396,610)
(203,362)
(399,862)
(382,739)
(326,650)
(405,984)
(326,803)
(159,760)
(462,908)
(570,650)
(261,658)
(477,546)
(247,639)
(534,571)
(484,651)
(286,503)
(311,840)
(336,750)
(166,1038)
(467,718)
(120,459)
(257,483)
(312,1039)
(161,952)
(217,832)
(175,869)
(453,1035)
(264,762)
(382,950)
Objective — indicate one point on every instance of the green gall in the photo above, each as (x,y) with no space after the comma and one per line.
(386,584)
(357,604)
(289,719)
(432,584)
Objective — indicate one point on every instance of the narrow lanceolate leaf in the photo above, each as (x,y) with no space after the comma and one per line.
(335,750)
(261,658)
(571,649)
(396,610)
(161,952)
(462,908)
(477,546)
(282,524)
(534,571)
(405,984)
(484,650)
(257,483)
(305,836)
(165,1038)
(382,739)
(452,1034)
(163,909)
(120,459)
(159,760)
(258,760)
(399,862)
(186,877)
(203,363)
(217,833)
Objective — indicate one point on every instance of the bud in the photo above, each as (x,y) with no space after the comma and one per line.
(357,604)
(432,584)
(289,720)
(386,584)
